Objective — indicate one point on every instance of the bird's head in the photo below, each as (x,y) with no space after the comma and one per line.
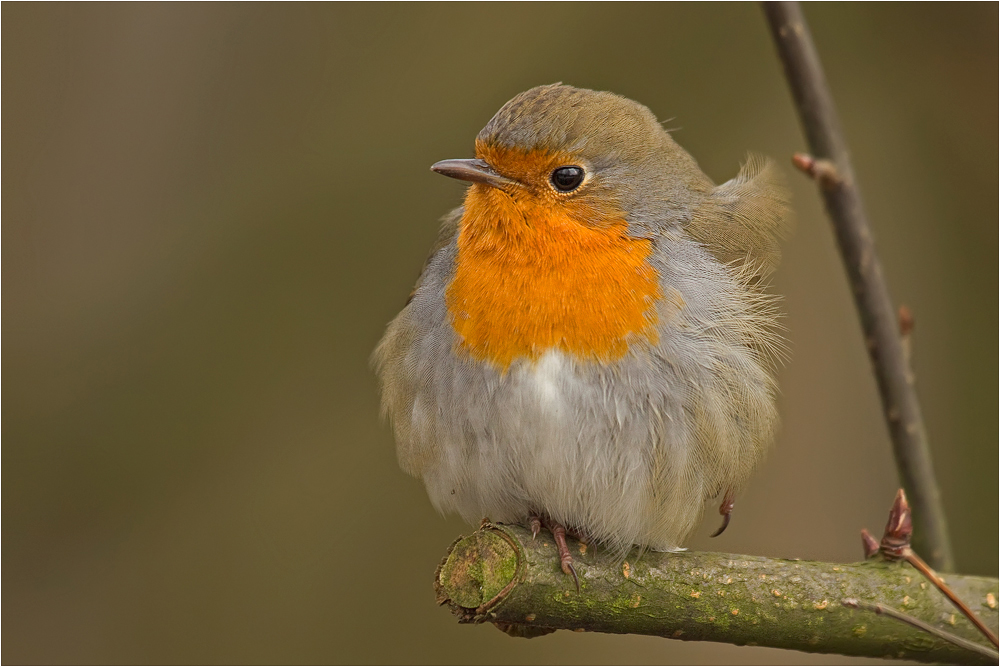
(559,153)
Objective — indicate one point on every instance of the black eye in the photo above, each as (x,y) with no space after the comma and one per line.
(567,178)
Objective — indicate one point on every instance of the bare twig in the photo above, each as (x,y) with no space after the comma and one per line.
(926,627)
(917,562)
(895,545)
(906,324)
(906,321)
(823,171)
(831,167)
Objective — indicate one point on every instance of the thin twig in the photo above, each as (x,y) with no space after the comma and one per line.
(832,169)
(917,623)
(896,545)
(906,324)
(917,562)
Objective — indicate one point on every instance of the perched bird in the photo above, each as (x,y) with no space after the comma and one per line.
(589,346)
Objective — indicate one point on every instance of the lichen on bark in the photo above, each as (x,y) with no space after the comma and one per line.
(501,574)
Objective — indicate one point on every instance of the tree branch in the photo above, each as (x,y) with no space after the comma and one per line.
(835,176)
(926,627)
(500,574)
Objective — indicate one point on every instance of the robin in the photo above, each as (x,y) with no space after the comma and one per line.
(589,346)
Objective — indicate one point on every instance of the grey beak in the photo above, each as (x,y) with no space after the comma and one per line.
(475,171)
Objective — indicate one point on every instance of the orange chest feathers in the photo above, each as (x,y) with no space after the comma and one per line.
(529,279)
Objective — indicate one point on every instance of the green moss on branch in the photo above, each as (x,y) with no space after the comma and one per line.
(500,574)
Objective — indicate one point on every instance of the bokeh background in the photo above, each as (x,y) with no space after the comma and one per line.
(212,211)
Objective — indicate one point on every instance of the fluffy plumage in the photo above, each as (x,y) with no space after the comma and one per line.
(625,445)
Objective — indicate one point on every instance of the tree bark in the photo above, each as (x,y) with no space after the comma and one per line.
(501,574)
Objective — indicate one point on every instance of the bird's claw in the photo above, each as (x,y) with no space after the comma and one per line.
(535,523)
(726,510)
(567,568)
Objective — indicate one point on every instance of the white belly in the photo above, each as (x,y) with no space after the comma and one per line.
(553,444)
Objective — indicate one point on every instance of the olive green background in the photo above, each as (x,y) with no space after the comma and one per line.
(212,211)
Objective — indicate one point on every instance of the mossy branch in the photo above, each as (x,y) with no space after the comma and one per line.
(501,575)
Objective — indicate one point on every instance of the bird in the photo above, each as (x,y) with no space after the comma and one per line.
(590,346)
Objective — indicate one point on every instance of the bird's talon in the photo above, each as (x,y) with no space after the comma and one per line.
(722,528)
(535,524)
(567,568)
(726,510)
(565,557)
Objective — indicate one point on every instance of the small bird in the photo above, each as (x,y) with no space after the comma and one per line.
(589,346)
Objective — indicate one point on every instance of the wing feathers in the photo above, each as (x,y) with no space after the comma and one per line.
(743,219)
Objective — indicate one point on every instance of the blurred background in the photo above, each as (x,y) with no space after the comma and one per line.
(212,211)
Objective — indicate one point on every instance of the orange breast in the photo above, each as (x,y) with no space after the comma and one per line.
(529,278)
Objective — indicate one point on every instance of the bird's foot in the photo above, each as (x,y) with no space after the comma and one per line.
(726,510)
(535,523)
(565,558)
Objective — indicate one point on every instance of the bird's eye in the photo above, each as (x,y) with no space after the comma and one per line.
(566,179)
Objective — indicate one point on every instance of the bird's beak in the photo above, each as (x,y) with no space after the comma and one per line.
(475,171)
